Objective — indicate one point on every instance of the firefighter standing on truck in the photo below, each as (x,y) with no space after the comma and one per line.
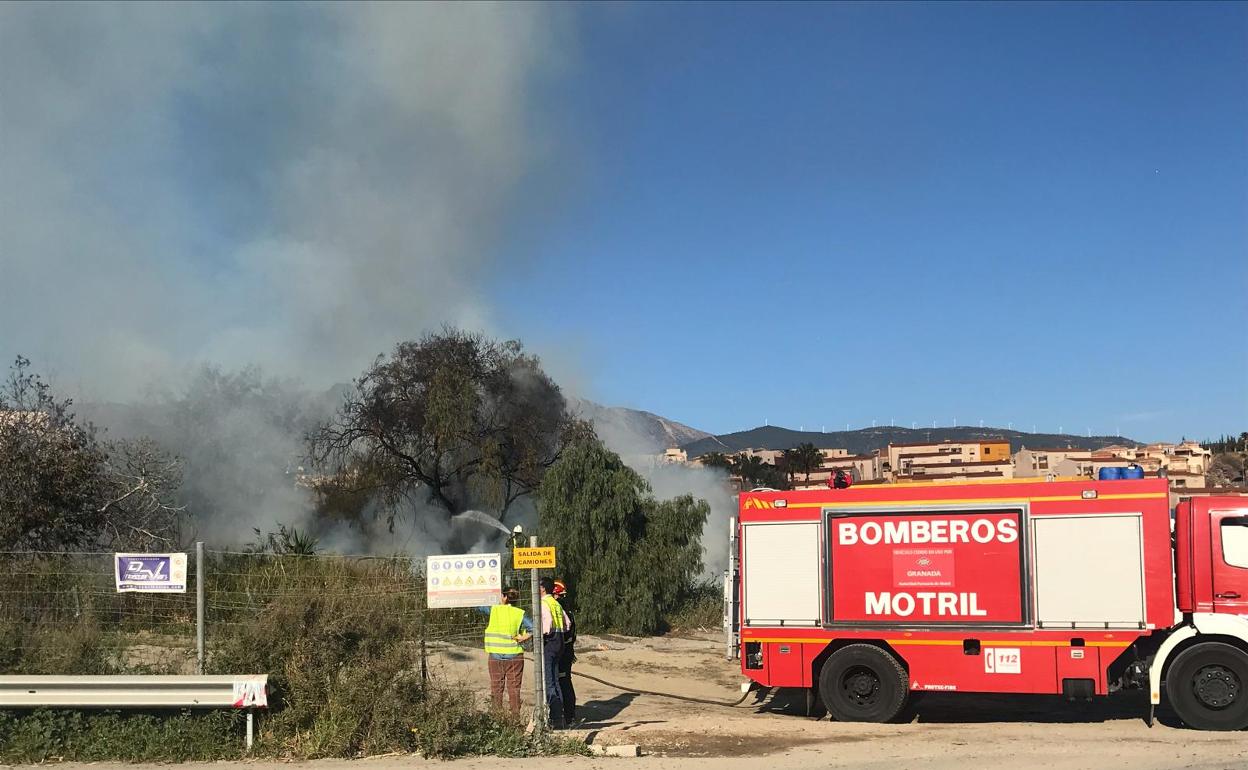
(566,690)
(552,649)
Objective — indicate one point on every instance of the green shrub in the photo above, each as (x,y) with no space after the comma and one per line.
(699,607)
(91,736)
(339,638)
(633,554)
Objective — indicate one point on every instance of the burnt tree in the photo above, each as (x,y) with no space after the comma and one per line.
(453,419)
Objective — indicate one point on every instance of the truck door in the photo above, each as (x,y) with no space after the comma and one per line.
(1229,536)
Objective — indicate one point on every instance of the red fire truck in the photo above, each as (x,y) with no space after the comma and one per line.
(1074,587)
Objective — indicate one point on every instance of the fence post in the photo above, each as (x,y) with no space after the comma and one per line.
(424,658)
(539,658)
(199,607)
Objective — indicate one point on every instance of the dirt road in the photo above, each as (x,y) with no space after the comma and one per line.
(770,730)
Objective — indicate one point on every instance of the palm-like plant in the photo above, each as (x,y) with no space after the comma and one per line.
(751,470)
(716,460)
(789,464)
(807,458)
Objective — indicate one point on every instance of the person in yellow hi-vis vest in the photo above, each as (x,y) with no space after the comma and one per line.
(508,628)
(553,626)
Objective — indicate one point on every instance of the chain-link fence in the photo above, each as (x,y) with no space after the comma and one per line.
(60,613)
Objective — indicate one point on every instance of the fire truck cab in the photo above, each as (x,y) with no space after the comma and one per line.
(1073,587)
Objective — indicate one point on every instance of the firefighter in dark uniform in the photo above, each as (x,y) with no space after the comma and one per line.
(568,656)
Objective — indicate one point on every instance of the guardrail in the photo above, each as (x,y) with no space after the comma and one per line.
(249,691)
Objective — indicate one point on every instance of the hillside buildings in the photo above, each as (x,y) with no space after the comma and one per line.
(864,469)
(948,460)
(1184,463)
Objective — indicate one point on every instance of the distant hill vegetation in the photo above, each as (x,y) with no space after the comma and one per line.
(866,440)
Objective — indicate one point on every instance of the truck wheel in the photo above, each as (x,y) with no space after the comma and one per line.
(863,683)
(1207,685)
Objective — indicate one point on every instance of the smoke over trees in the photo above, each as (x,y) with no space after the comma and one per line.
(453,419)
(62,487)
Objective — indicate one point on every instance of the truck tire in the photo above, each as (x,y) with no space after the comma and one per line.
(1207,685)
(863,683)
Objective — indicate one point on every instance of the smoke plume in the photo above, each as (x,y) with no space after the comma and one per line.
(297,186)
(294,185)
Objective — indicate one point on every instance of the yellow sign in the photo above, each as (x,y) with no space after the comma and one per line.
(533,558)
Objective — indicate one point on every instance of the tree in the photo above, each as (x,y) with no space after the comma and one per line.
(630,557)
(755,472)
(51,468)
(789,463)
(62,488)
(1225,469)
(141,510)
(716,460)
(807,458)
(750,469)
(453,419)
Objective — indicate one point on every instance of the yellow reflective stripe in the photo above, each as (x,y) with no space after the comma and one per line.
(1000,643)
(938,642)
(972,500)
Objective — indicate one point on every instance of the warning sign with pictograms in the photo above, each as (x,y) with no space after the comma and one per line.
(463,580)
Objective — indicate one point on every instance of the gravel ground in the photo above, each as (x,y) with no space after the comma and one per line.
(770,730)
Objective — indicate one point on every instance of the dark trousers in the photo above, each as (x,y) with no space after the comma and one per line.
(566,690)
(506,675)
(550,671)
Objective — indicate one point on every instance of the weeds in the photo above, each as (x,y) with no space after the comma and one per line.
(90,736)
(339,639)
(701,607)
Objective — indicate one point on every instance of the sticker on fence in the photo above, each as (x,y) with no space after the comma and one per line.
(163,573)
(464,580)
(250,693)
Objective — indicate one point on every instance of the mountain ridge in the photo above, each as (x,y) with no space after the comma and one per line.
(866,440)
(634,431)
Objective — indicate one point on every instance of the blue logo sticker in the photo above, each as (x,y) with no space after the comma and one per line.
(493,562)
(446,565)
(434,566)
(481,564)
(459,565)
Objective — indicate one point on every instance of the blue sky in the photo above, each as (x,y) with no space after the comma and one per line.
(811,215)
(821,215)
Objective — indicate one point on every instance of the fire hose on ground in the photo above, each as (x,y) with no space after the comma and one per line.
(687,698)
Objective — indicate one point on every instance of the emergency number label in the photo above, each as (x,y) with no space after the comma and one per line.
(1003,660)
